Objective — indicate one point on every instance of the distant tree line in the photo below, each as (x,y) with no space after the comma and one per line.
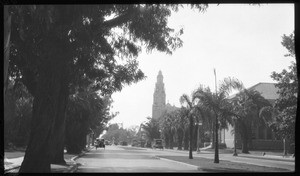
(117,134)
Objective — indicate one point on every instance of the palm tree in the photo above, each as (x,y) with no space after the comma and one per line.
(180,122)
(190,109)
(183,113)
(247,105)
(218,104)
(168,128)
(202,113)
(152,129)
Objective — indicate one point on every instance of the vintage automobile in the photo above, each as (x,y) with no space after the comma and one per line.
(158,143)
(100,143)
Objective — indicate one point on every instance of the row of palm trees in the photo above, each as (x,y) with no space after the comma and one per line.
(215,110)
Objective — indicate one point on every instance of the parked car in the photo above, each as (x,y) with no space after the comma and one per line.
(100,143)
(158,143)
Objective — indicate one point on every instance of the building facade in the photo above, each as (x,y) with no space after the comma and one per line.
(263,138)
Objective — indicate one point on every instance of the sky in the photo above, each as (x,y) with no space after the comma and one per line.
(238,40)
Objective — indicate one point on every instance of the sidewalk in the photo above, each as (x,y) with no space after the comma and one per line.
(269,155)
(224,166)
(255,158)
(13,161)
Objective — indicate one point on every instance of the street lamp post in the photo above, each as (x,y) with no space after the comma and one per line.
(198,137)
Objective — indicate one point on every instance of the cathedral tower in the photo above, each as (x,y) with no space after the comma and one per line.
(159,97)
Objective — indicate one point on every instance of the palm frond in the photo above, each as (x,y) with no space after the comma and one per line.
(229,84)
(185,99)
(266,113)
(198,91)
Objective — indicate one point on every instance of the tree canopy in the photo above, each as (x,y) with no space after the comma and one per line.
(61,50)
(151,127)
(284,119)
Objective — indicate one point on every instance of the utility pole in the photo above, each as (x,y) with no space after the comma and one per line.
(198,136)
(217,129)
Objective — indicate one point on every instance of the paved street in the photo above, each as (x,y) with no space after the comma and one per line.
(133,159)
(127,159)
(130,159)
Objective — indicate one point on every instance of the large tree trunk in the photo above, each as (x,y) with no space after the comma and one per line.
(7,29)
(47,108)
(57,146)
(75,136)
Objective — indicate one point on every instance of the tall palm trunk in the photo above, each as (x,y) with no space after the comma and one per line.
(196,136)
(244,137)
(213,136)
(46,111)
(186,139)
(216,160)
(191,138)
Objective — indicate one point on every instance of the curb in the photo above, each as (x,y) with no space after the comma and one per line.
(71,169)
(178,162)
(75,166)
(269,158)
(10,169)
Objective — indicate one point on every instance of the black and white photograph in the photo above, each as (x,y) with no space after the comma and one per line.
(149,88)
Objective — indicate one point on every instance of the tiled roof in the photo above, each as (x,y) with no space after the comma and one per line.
(267,90)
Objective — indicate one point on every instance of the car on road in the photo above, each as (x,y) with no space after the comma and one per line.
(158,143)
(100,143)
